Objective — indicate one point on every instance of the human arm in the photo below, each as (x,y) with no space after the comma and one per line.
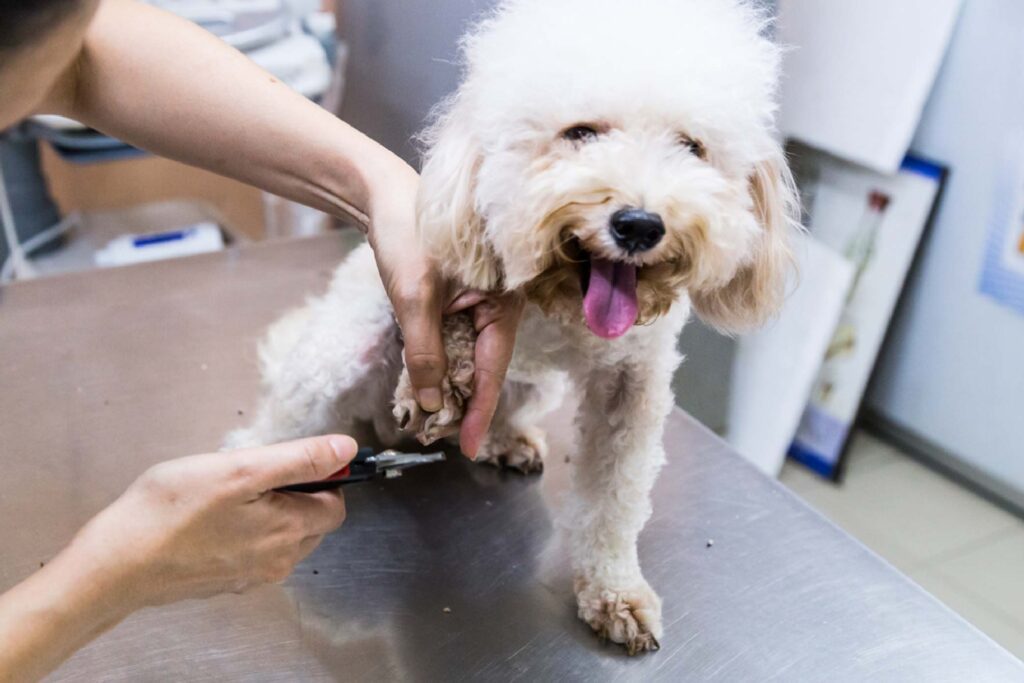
(165,85)
(188,528)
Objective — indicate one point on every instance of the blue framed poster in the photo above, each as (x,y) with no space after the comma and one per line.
(876,223)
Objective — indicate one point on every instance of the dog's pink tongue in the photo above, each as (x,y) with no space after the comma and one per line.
(610,306)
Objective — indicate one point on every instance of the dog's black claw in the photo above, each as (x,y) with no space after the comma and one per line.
(403,422)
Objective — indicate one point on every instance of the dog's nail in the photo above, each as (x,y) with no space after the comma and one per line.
(430,399)
(403,421)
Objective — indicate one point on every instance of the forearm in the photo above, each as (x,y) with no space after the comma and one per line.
(54,612)
(167,86)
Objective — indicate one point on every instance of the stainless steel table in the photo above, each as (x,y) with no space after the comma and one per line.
(105,373)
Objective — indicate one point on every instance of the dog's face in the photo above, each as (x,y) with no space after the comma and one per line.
(609,173)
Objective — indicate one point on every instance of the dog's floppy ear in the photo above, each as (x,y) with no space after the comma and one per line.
(759,287)
(449,221)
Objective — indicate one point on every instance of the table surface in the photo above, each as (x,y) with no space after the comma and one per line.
(105,373)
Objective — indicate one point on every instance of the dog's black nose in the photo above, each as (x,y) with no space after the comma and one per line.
(637,230)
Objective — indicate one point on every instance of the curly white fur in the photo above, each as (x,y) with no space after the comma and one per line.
(680,97)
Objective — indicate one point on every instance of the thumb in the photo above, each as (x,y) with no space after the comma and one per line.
(294,462)
(425,358)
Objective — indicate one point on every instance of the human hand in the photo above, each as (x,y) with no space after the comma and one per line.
(208,524)
(496,319)
(417,294)
(411,279)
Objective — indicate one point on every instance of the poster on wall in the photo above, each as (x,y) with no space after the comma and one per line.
(1002,277)
(875,222)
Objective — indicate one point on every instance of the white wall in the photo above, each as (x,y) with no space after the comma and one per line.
(953,373)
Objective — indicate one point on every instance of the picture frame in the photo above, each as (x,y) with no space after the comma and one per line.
(877,222)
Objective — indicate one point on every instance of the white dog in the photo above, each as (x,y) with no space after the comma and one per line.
(616,162)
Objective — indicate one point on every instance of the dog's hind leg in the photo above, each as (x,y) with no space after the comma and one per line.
(330,366)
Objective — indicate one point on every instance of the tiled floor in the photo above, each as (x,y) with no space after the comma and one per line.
(966,551)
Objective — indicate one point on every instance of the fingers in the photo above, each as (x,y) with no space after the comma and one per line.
(319,513)
(297,523)
(465,300)
(262,469)
(279,566)
(496,322)
(419,316)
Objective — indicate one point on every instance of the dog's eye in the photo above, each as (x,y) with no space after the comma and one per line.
(581,133)
(695,147)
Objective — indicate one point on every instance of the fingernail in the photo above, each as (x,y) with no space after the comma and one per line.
(344,447)
(430,399)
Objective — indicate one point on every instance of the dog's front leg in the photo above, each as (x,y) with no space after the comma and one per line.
(459,336)
(621,419)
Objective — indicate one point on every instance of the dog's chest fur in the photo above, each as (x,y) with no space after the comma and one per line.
(546,343)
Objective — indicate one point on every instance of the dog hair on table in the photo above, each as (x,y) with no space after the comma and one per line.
(616,162)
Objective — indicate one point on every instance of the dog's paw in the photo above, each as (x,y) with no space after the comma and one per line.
(523,451)
(456,388)
(429,427)
(630,617)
